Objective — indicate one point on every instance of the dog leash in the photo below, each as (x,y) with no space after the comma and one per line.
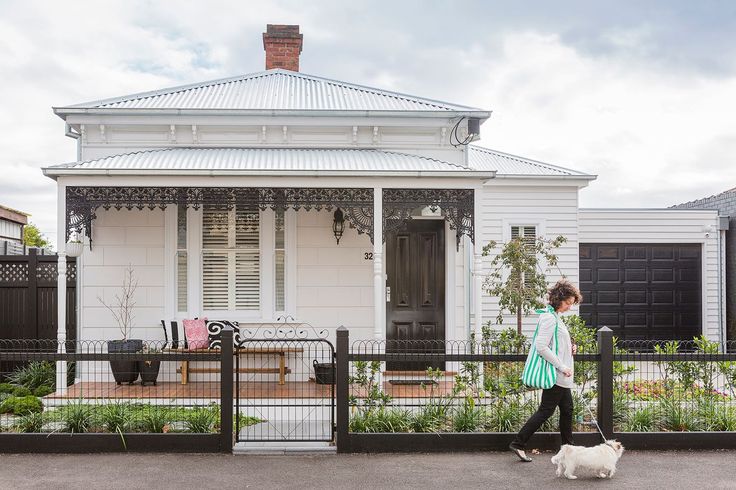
(593,419)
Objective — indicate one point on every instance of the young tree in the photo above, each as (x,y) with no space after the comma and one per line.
(32,237)
(525,285)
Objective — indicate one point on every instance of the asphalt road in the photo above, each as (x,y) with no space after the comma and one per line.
(641,470)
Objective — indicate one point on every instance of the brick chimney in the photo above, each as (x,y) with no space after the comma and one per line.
(282,44)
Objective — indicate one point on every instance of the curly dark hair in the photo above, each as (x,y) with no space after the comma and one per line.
(561,291)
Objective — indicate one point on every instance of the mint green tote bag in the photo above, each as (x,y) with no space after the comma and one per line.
(538,372)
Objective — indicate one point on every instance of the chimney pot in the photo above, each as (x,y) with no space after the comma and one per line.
(283,44)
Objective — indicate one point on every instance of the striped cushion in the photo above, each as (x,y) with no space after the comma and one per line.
(174,335)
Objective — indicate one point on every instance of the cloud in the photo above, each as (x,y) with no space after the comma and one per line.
(639,94)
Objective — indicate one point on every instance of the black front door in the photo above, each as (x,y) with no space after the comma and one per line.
(415,307)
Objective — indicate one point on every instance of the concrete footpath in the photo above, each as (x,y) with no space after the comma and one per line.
(640,470)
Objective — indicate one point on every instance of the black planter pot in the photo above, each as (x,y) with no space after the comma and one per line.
(149,371)
(124,371)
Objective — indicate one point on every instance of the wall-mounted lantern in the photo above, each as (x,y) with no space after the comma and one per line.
(338,225)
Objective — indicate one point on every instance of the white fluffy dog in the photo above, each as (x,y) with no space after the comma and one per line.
(601,458)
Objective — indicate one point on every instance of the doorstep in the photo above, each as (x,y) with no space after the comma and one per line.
(284,448)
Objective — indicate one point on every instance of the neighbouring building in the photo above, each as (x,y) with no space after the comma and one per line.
(725,204)
(12,223)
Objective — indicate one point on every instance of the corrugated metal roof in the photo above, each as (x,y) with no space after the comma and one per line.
(274,90)
(505,164)
(264,159)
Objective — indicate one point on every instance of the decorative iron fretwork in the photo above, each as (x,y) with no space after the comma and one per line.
(455,205)
(283,331)
(81,202)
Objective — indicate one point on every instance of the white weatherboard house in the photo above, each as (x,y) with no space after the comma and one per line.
(224,198)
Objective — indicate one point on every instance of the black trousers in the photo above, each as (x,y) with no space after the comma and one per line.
(557,396)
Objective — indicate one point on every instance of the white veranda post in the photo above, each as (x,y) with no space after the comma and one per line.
(379,292)
(61,288)
(477,268)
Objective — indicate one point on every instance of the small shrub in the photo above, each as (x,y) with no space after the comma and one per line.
(505,416)
(381,420)
(430,418)
(34,374)
(724,419)
(642,420)
(201,420)
(22,391)
(7,388)
(22,405)
(116,417)
(468,418)
(675,417)
(31,422)
(43,390)
(155,420)
(77,417)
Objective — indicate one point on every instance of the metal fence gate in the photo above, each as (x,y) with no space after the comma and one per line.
(284,385)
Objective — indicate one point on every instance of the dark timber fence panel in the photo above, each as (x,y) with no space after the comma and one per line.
(28,300)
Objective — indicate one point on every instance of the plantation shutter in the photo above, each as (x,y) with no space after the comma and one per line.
(181,258)
(279,263)
(230,259)
(247,261)
(527,233)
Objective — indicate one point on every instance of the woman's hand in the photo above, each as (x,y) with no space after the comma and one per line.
(574,349)
(567,372)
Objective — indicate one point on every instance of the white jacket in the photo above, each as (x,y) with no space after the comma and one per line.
(545,347)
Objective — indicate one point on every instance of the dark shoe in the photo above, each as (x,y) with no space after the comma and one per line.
(520,452)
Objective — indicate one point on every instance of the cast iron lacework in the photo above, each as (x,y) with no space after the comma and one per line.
(82,202)
(455,205)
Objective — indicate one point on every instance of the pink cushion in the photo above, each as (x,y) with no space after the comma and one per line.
(196,333)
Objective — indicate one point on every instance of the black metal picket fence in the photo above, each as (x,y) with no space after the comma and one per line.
(468,395)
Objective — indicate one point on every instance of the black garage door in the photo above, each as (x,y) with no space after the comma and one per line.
(642,291)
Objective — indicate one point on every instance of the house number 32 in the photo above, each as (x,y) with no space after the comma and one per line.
(368,255)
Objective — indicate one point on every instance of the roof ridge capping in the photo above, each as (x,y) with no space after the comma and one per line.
(277,72)
(515,170)
(704,200)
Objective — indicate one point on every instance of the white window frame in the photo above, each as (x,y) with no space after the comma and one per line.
(267,311)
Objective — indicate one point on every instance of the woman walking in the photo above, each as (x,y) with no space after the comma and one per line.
(551,330)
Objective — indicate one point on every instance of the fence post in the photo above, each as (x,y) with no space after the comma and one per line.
(342,373)
(31,330)
(226,390)
(605,381)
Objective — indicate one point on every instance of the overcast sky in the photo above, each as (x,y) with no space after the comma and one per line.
(642,94)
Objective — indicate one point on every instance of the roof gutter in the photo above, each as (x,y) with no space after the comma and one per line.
(53,172)
(553,177)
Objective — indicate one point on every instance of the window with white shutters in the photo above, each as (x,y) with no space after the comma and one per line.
(279,263)
(230,259)
(181,258)
(526,233)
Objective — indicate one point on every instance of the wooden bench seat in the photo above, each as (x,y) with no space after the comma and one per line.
(282,370)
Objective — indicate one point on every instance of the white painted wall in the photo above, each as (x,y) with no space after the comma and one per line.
(426,137)
(122,238)
(552,208)
(664,226)
(334,283)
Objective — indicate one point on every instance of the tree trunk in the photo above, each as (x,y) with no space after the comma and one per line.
(518,319)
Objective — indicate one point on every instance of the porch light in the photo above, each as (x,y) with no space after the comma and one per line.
(338,225)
